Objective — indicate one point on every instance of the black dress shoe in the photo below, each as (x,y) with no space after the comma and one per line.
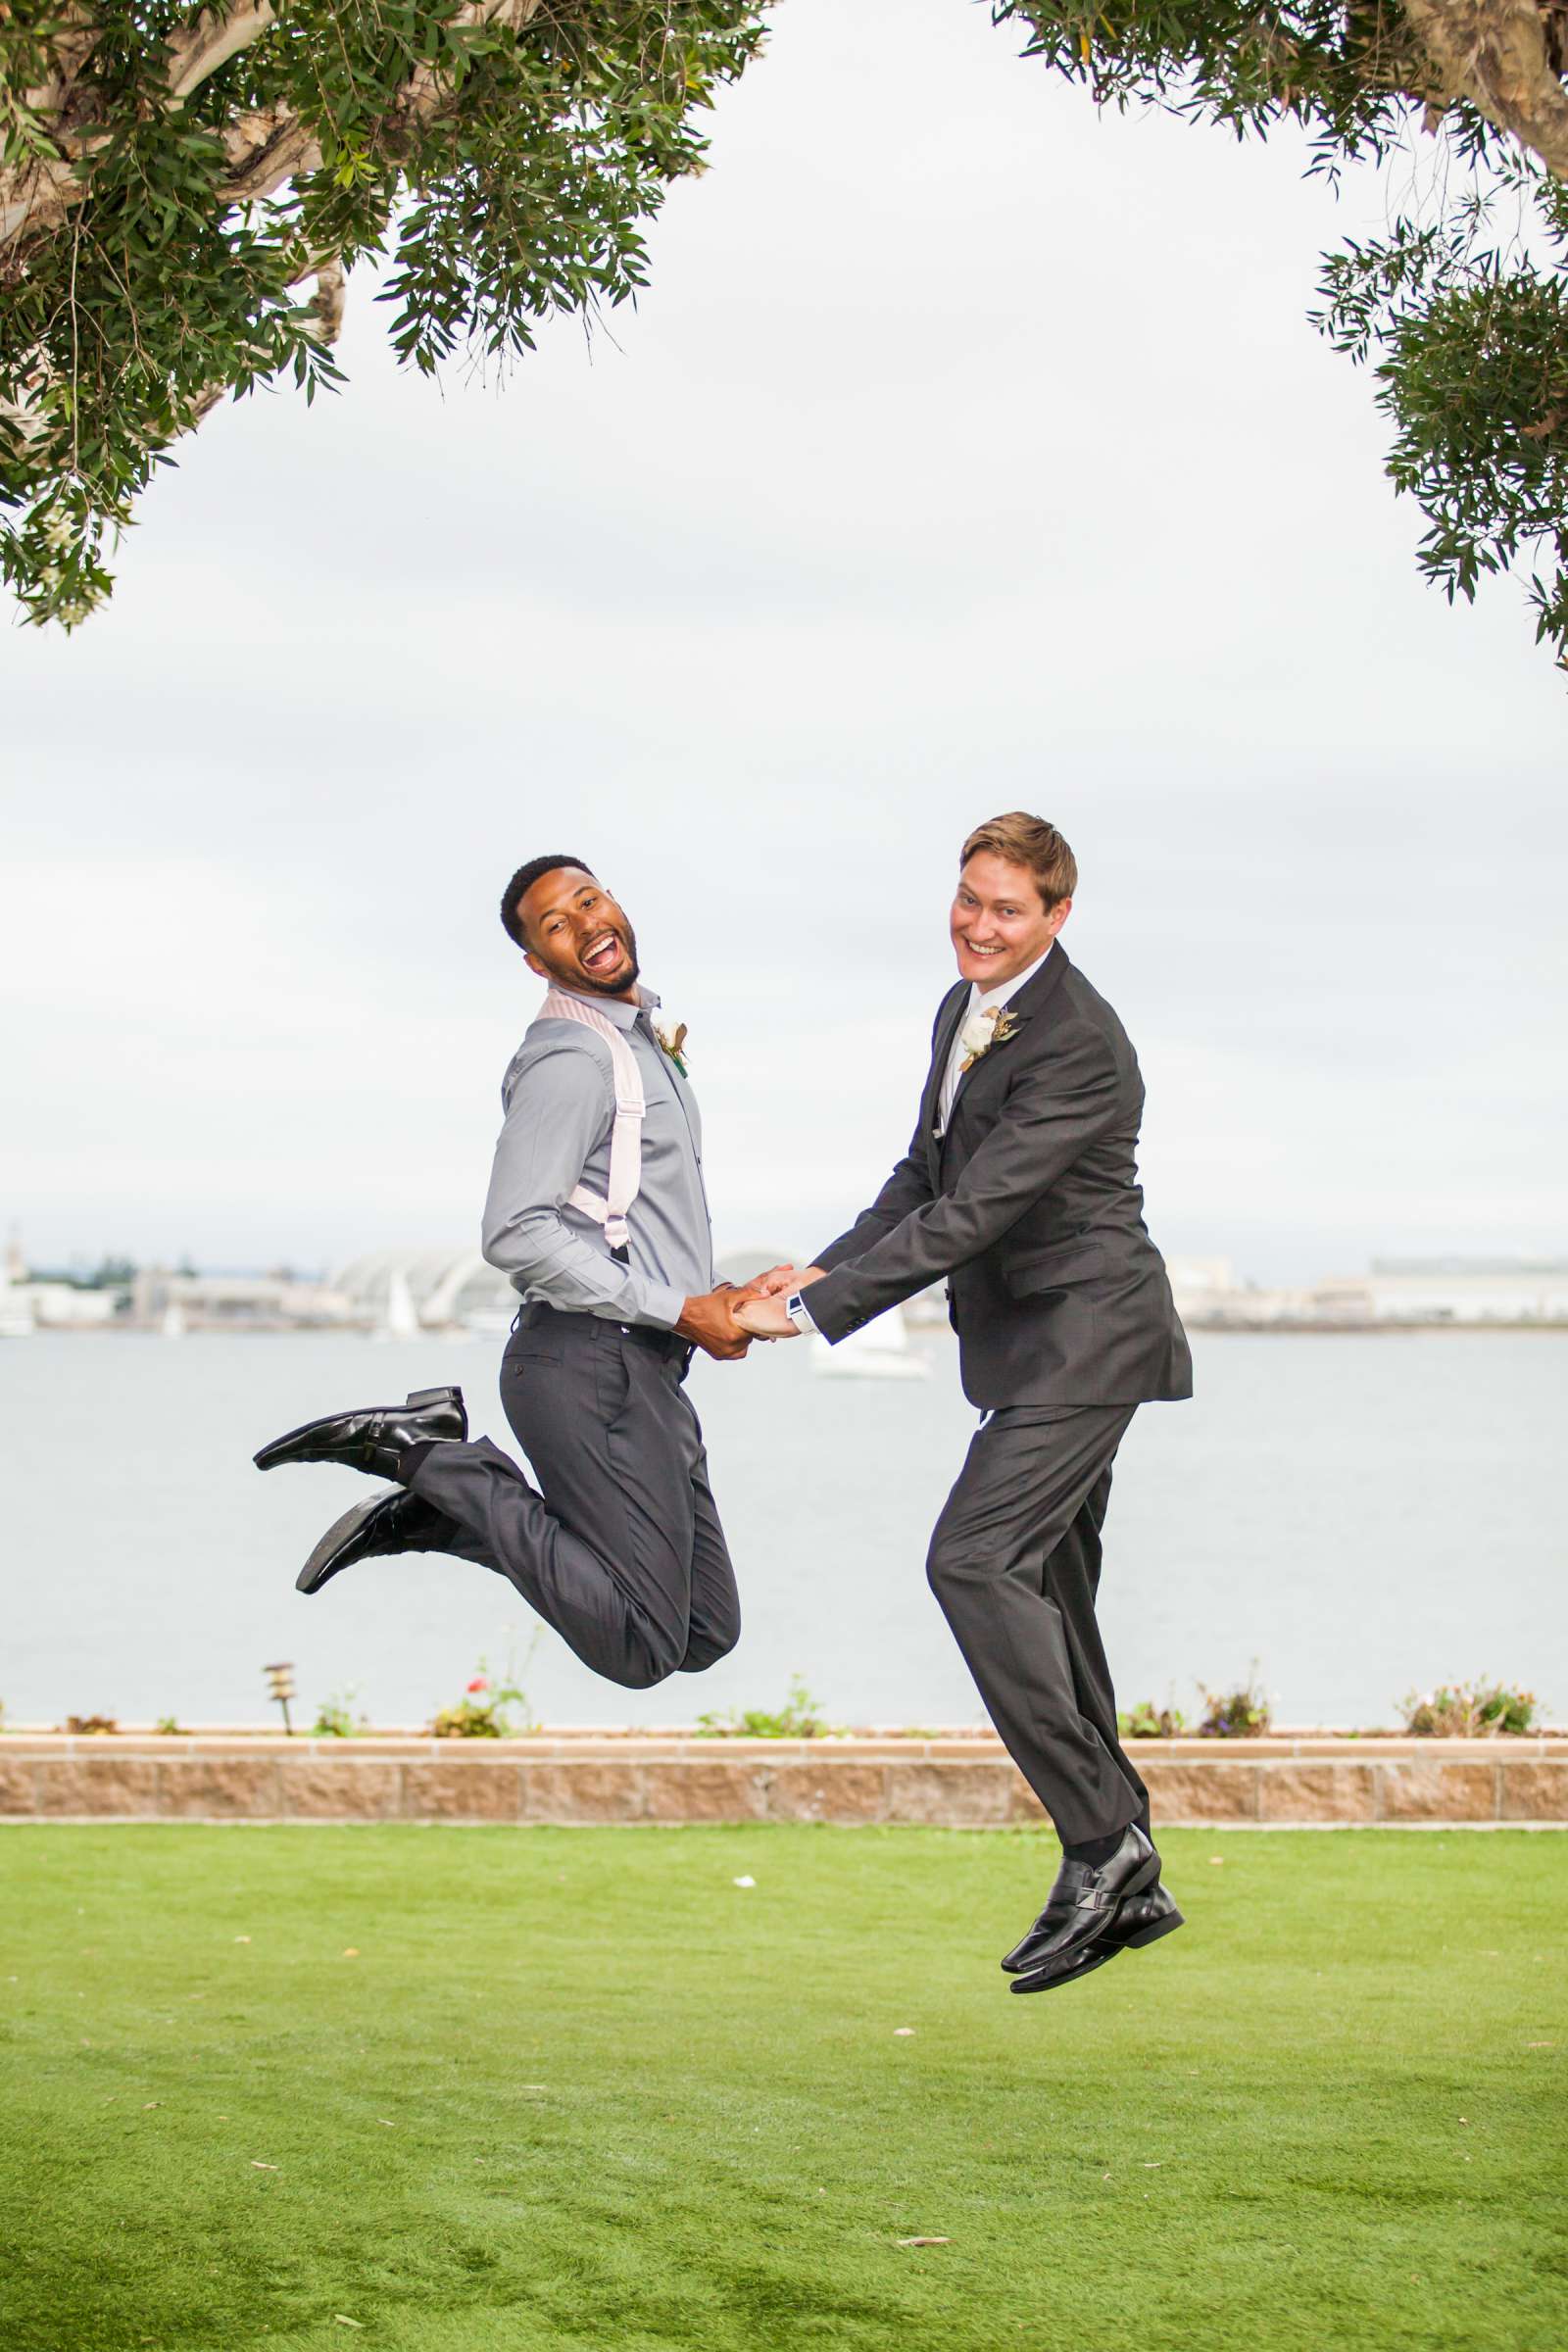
(1138,1919)
(373,1440)
(1082,1901)
(374,1530)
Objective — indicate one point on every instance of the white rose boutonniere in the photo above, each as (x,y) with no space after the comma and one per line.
(983,1030)
(673,1039)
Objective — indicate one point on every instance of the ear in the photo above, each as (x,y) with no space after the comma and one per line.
(1059,916)
(534,964)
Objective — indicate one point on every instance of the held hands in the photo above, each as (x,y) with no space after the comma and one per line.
(766,1319)
(782,1278)
(765,1286)
(725,1322)
(759,1308)
(710,1322)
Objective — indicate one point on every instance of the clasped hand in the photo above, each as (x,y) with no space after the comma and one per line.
(725,1322)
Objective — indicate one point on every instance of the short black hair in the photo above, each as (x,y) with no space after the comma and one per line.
(524,880)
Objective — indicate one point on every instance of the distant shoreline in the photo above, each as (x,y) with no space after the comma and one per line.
(1280,1328)
(1317,1329)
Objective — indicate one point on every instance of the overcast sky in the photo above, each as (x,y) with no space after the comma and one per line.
(967,453)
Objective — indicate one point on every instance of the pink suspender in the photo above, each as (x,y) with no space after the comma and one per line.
(626,1137)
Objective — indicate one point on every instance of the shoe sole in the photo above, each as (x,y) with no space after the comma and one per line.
(1047,1983)
(316,1571)
(281,1449)
(1152,1935)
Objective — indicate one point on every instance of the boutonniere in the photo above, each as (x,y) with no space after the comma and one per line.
(983,1030)
(672,1041)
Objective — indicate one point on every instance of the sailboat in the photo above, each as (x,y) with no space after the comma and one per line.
(401,1321)
(878,1350)
(17,1318)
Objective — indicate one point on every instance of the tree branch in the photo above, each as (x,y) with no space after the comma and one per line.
(212,41)
(1495,54)
(264,149)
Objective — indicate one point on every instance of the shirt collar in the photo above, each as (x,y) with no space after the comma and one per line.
(614,1009)
(982,1001)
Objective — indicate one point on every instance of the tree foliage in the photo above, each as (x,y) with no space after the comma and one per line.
(1460,308)
(181,194)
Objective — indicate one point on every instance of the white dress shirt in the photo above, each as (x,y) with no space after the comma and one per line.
(980,1000)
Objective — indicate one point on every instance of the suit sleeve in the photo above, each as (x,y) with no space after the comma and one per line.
(1071,1097)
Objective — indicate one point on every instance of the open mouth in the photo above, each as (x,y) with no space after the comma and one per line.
(973,950)
(602,954)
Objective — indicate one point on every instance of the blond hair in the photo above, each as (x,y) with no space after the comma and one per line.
(1024,839)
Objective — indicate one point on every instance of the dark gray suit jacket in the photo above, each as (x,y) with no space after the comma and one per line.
(1030,1206)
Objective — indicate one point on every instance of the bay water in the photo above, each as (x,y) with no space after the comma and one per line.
(1359,1515)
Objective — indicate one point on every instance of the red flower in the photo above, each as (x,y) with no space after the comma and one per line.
(479,1683)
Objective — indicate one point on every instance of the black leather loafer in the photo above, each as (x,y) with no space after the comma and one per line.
(374,1530)
(1141,1919)
(1082,1901)
(375,1439)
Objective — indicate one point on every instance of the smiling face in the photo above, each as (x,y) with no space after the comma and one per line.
(574,933)
(999,924)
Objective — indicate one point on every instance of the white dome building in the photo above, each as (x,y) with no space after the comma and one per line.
(428,1290)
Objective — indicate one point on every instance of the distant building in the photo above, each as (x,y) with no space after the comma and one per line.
(181,1302)
(1404,1293)
(1448,1289)
(1204,1288)
(443,1287)
(66,1305)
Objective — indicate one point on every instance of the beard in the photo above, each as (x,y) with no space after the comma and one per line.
(576,978)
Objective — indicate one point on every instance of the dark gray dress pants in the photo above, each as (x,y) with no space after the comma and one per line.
(619,1546)
(1015,1562)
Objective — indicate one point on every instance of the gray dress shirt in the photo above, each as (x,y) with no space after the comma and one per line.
(559,1095)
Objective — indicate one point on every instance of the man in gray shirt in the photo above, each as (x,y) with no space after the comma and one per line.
(596,1212)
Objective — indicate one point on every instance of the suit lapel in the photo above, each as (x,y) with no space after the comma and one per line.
(948,1020)
(1019,1012)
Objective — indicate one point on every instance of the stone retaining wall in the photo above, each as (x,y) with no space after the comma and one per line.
(963,1784)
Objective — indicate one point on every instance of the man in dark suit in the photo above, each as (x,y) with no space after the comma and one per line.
(1020,1188)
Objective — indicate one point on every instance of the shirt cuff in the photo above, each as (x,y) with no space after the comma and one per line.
(662,1306)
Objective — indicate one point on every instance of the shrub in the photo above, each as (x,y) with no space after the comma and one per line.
(1469,1711)
(1242,1713)
(88,1725)
(334,1717)
(481,1713)
(1145,1721)
(168,1727)
(798,1719)
(470,1719)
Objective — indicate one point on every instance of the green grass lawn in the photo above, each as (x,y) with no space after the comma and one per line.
(559,2089)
